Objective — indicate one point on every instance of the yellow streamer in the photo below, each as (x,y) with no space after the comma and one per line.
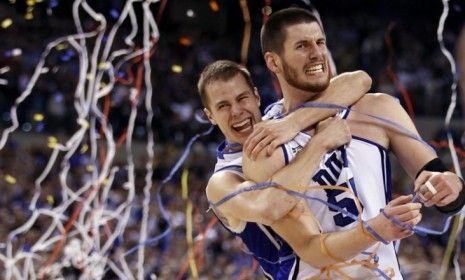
(189,239)
(184,177)
(449,248)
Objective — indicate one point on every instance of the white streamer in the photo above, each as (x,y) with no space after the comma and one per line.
(92,196)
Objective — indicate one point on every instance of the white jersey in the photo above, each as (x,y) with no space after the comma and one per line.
(364,167)
(229,157)
(275,255)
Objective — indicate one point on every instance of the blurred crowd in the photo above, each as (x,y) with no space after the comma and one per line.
(396,43)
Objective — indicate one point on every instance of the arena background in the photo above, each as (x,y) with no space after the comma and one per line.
(396,42)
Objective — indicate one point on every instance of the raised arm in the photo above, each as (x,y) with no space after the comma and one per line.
(344,90)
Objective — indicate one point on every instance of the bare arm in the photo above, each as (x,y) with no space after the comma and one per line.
(302,231)
(268,205)
(335,134)
(344,245)
(412,154)
(261,206)
(343,90)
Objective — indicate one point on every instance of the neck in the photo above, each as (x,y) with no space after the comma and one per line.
(294,97)
(232,147)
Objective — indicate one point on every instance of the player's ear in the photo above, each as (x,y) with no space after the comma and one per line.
(257,95)
(209,116)
(272,61)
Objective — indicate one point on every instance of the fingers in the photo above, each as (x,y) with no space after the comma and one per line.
(403,212)
(400,200)
(250,142)
(254,138)
(402,219)
(272,146)
(443,196)
(436,191)
(260,146)
(430,187)
(415,221)
(408,216)
(425,194)
(259,140)
(335,133)
(422,178)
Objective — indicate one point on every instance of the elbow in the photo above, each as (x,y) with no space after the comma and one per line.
(276,208)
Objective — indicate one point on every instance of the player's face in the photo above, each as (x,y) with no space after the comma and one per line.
(304,59)
(234,107)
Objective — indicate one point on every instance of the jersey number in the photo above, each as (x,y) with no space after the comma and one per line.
(323,177)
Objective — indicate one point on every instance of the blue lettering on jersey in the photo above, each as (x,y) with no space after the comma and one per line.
(329,176)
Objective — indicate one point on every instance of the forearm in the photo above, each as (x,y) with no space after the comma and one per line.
(320,249)
(298,172)
(301,170)
(344,90)
(262,206)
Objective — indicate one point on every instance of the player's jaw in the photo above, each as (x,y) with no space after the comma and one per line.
(313,77)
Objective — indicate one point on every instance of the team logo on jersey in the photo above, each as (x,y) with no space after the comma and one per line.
(334,172)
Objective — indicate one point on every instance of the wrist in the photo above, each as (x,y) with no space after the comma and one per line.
(298,119)
(295,121)
(368,236)
(320,145)
(455,206)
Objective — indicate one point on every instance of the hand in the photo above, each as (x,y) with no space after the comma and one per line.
(269,134)
(404,211)
(333,132)
(446,184)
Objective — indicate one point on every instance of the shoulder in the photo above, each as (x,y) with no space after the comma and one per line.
(378,104)
(377,99)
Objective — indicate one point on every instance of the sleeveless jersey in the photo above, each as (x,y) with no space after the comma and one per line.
(364,167)
(276,258)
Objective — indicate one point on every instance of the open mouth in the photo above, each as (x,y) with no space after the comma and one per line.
(243,126)
(316,69)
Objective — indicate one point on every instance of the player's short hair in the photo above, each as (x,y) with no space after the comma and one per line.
(273,33)
(221,70)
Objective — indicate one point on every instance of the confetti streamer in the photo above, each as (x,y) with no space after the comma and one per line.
(454,238)
(246,35)
(88,203)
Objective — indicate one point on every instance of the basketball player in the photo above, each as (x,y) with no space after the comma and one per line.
(232,103)
(294,48)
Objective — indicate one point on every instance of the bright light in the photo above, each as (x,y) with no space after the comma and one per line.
(16,52)
(176,68)
(190,13)
(6,23)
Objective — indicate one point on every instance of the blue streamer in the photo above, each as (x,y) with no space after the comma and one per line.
(392,124)
(163,211)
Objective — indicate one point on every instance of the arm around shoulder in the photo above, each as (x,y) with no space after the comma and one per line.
(262,206)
